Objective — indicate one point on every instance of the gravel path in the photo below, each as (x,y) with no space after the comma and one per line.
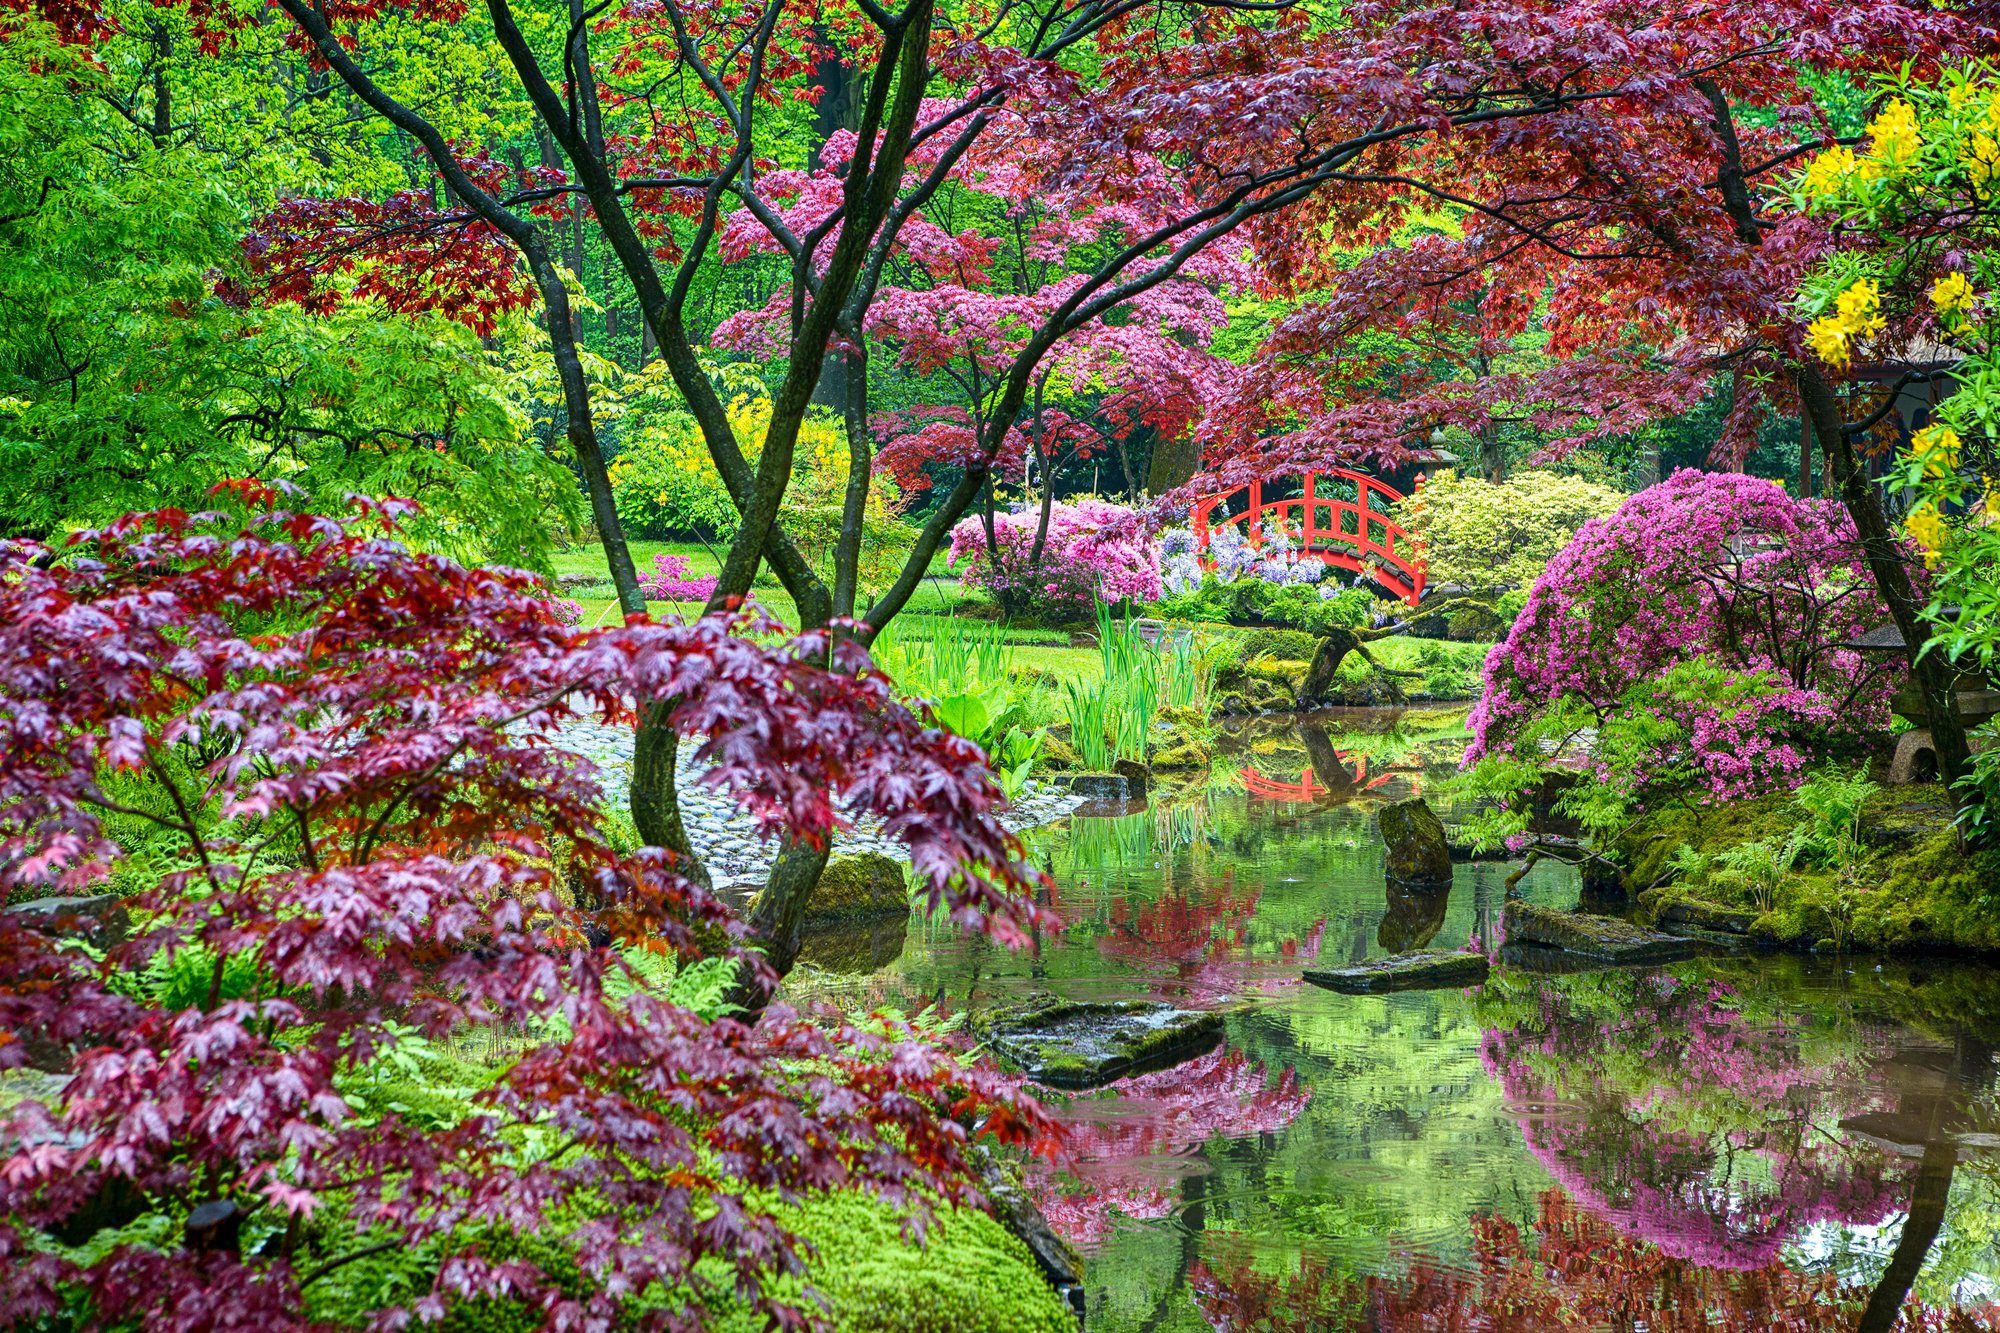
(726,840)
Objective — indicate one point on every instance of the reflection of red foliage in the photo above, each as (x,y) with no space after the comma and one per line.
(1204,940)
(1578,1274)
(1129,1147)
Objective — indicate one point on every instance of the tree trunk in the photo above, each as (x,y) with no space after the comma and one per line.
(656,803)
(1934,676)
(1174,465)
(776,916)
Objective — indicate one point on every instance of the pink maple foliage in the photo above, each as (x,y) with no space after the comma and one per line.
(1126,1146)
(347,765)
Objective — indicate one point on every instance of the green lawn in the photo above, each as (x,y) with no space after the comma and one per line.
(937,595)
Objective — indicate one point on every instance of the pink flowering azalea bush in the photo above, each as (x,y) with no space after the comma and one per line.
(1689,641)
(325,778)
(1093,551)
(673,581)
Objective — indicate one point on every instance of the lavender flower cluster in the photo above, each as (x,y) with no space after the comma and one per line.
(1275,560)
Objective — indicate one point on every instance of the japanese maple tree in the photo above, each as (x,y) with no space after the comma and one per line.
(1643,235)
(328,774)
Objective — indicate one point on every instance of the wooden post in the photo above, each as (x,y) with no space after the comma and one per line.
(1306,539)
(1256,513)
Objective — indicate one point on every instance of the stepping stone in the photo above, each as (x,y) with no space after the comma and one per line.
(1600,937)
(1430,969)
(1072,1045)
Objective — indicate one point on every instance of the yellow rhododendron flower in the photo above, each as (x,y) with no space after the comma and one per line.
(1896,141)
(1828,341)
(1859,309)
(1936,447)
(1829,172)
(1926,528)
(1951,293)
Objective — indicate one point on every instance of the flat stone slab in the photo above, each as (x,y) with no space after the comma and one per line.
(1074,1045)
(1429,969)
(1601,937)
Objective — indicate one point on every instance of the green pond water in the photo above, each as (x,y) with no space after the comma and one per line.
(1744,1141)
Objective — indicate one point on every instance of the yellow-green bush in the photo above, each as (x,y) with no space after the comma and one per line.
(1481,535)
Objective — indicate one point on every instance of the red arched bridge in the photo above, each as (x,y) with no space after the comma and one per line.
(1354,534)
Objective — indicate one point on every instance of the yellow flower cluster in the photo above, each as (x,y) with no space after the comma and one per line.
(1951,294)
(1936,447)
(1895,140)
(1829,173)
(1857,313)
(1926,528)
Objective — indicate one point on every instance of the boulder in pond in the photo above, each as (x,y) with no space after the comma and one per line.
(1100,786)
(1074,1044)
(1418,851)
(1183,755)
(866,886)
(1713,917)
(1605,938)
(1429,969)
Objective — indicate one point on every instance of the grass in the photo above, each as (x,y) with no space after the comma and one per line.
(937,595)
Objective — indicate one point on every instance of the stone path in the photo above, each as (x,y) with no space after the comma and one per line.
(727,840)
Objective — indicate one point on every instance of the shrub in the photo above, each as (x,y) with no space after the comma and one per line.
(1485,536)
(1094,551)
(672,581)
(364,823)
(1692,639)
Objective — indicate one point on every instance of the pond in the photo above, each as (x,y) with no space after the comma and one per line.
(1743,1141)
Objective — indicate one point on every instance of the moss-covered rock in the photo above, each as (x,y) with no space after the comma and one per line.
(866,886)
(1418,853)
(1600,937)
(1432,969)
(1072,1044)
(1269,689)
(1185,754)
(1057,754)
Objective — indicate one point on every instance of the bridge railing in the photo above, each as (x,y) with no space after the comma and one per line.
(1355,534)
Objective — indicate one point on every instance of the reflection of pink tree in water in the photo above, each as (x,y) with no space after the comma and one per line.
(1130,1146)
(1205,940)
(1569,1271)
(1685,1125)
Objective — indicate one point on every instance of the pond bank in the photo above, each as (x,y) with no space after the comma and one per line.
(1898,881)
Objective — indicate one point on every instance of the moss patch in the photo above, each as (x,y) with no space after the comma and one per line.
(1293,645)
(967,1276)
(1911,889)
